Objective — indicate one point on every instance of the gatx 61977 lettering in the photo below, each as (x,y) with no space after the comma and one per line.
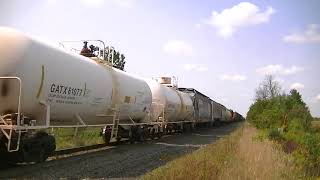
(67,90)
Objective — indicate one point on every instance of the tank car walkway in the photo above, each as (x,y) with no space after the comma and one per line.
(125,160)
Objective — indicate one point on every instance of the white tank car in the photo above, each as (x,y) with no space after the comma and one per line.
(229,115)
(73,85)
(173,104)
(187,108)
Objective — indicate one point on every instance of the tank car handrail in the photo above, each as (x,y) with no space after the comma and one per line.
(131,119)
(12,126)
(17,127)
(19,97)
(162,111)
(70,41)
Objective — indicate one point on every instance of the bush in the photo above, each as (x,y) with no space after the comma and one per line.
(311,143)
(274,134)
(278,112)
(290,114)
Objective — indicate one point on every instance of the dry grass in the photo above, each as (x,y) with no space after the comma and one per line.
(315,124)
(259,160)
(237,156)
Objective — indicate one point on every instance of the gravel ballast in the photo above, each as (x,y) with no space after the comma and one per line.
(122,161)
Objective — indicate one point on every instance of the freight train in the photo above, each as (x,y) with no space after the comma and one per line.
(44,87)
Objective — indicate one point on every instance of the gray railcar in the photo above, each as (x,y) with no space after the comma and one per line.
(202,105)
(217,109)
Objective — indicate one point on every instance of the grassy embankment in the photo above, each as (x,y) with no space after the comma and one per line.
(240,155)
(67,138)
(316,124)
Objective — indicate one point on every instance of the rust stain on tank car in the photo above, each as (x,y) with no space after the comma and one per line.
(127,99)
(41,81)
(4,88)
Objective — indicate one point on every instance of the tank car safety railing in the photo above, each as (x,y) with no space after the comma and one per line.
(8,128)
(62,44)
(162,117)
(11,129)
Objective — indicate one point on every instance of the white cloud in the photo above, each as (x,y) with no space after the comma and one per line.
(99,3)
(280,80)
(228,21)
(124,3)
(197,26)
(296,86)
(195,67)
(51,2)
(234,77)
(278,69)
(310,35)
(92,3)
(177,47)
(318,98)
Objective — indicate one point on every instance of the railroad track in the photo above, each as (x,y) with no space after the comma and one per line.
(91,148)
(84,149)
(63,153)
(78,149)
(117,161)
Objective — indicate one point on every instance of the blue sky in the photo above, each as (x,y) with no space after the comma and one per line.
(222,48)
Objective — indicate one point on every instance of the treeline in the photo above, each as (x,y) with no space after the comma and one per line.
(286,119)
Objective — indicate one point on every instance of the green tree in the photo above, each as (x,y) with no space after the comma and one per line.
(115,57)
(268,88)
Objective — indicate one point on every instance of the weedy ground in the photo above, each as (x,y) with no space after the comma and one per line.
(71,138)
(240,155)
(316,125)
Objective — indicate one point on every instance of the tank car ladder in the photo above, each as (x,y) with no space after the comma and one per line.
(12,128)
(5,127)
(115,125)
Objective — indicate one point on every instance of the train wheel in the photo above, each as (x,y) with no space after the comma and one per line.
(43,156)
(106,138)
(146,133)
(37,147)
(4,155)
(140,134)
(154,134)
(118,139)
(186,128)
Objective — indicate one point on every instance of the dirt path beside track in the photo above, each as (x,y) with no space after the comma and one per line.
(125,160)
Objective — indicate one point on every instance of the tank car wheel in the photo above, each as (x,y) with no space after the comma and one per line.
(159,134)
(106,138)
(134,134)
(43,156)
(186,128)
(118,139)
(131,140)
(152,133)
(4,155)
(38,147)
(142,134)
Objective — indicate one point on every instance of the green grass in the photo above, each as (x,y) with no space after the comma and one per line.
(68,138)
